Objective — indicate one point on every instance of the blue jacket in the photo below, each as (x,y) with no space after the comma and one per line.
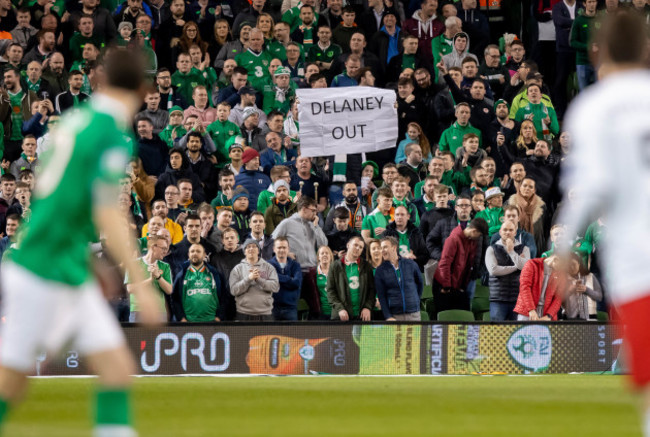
(290,278)
(223,292)
(399,297)
(269,158)
(255,182)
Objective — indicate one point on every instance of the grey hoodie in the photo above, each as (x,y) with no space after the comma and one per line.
(254,298)
(455,59)
(304,239)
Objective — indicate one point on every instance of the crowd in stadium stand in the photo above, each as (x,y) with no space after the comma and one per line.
(234,224)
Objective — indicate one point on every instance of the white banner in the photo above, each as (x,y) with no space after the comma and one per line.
(346,120)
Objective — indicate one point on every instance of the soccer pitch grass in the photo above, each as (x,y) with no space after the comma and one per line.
(550,405)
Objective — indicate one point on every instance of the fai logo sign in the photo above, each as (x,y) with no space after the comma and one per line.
(191,343)
(531,347)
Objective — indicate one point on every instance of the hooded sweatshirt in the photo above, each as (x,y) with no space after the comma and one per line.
(455,58)
(425,31)
(171,177)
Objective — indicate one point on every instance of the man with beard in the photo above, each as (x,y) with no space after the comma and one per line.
(516,176)
(15,108)
(169,97)
(179,252)
(201,165)
(151,149)
(198,290)
(351,202)
(45,46)
(281,206)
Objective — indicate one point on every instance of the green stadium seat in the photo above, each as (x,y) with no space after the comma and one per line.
(481,301)
(424,316)
(485,316)
(456,316)
(430,308)
(303,310)
(427,292)
(602,316)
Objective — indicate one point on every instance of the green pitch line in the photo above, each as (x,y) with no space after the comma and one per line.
(566,405)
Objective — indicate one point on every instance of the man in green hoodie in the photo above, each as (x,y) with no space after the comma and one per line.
(580,40)
(493,214)
(175,129)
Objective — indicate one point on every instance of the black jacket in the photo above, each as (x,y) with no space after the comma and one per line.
(224,262)
(171,177)
(429,219)
(65,100)
(437,236)
(416,241)
(178,253)
(545,173)
(338,240)
(379,42)
(154,155)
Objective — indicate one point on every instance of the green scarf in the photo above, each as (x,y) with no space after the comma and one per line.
(339,169)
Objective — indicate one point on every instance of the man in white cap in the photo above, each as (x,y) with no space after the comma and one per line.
(282,94)
(493,214)
(281,206)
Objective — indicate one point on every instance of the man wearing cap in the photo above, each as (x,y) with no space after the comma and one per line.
(251,178)
(253,282)
(281,206)
(493,214)
(503,132)
(249,128)
(220,131)
(255,60)
(175,129)
(232,49)
(201,106)
(277,172)
(240,212)
(247,98)
(235,152)
(282,94)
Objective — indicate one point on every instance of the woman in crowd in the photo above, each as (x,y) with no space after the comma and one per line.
(583,292)
(414,134)
(220,37)
(266,24)
(325,259)
(532,211)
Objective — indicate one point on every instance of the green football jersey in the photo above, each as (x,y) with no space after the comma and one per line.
(257,65)
(90,151)
(200,299)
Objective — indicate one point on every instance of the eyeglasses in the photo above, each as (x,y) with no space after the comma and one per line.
(464,205)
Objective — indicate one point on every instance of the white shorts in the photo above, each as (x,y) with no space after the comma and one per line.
(44,316)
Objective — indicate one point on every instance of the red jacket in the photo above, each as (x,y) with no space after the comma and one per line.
(530,289)
(456,261)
